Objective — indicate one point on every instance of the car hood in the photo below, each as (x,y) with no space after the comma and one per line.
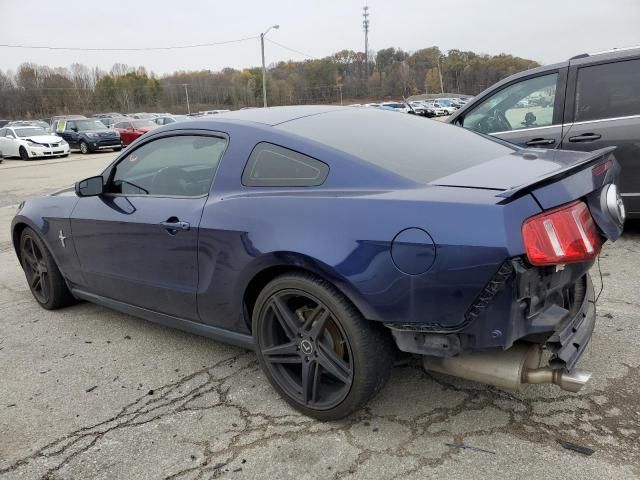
(43,139)
(521,168)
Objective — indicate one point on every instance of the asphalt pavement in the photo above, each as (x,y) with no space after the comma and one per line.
(88,393)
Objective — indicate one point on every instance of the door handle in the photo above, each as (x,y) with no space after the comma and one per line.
(586,137)
(173,225)
(541,141)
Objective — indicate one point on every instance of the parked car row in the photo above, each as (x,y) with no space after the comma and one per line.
(425,108)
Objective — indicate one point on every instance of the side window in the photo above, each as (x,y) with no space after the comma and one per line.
(608,91)
(273,166)
(525,104)
(10,134)
(71,125)
(171,166)
(120,125)
(2,132)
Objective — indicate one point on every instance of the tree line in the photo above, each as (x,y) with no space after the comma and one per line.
(37,91)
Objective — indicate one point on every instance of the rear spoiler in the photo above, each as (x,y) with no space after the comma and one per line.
(557,174)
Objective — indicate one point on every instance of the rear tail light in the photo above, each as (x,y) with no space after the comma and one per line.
(566,234)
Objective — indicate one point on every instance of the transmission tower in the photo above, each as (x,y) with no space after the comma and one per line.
(365,26)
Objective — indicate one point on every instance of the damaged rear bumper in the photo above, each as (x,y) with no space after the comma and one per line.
(537,316)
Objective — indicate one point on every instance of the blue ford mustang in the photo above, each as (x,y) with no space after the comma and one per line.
(328,239)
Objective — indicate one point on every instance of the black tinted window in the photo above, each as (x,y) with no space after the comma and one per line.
(608,91)
(417,148)
(273,166)
(177,166)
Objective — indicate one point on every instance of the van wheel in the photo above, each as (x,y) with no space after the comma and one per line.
(23,154)
(316,349)
(84,148)
(43,276)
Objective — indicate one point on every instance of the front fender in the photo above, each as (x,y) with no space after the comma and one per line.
(48,216)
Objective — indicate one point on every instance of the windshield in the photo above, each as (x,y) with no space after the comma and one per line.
(89,125)
(30,132)
(143,124)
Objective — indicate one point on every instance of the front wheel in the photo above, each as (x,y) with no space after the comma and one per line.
(24,155)
(43,276)
(316,349)
(117,149)
(84,148)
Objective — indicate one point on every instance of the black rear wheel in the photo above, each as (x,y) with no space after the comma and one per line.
(84,148)
(43,276)
(316,349)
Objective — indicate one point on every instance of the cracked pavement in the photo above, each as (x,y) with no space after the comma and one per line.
(86,392)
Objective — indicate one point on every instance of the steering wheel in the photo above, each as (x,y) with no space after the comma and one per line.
(171,181)
(495,122)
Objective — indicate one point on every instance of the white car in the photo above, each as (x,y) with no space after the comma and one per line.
(437,109)
(447,109)
(31,142)
(397,106)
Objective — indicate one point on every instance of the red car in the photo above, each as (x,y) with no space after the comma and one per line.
(131,129)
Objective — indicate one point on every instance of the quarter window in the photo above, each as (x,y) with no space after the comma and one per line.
(273,166)
(171,166)
(608,91)
(526,104)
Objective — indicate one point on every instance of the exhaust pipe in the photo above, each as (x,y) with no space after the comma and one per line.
(511,369)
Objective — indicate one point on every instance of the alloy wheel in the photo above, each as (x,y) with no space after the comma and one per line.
(35,267)
(305,349)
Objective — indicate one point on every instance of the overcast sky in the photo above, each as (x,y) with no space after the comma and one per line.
(543,30)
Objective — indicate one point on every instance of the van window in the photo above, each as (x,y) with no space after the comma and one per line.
(608,91)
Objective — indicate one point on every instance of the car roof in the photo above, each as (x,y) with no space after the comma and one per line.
(276,115)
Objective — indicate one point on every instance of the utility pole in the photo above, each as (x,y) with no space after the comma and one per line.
(365,26)
(340,89)
(264,68)
(186,92)
(440,74)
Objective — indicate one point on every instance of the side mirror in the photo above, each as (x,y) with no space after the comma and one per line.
(90,187)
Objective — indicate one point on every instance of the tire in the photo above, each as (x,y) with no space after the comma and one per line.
(117,149)
(84,147)
(24,155)
(43,276)
(305,328)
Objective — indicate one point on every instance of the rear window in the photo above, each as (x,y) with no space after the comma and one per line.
(270,165)
(608,91)
(417,148)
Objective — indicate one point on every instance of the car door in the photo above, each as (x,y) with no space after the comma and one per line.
(11,146)
(69,133)
(138,242)
(3,145)
(605,111)
(127,134)
(120,127)
(527,112)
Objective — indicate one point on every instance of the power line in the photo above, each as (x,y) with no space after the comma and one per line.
(289,48)
(140,49)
